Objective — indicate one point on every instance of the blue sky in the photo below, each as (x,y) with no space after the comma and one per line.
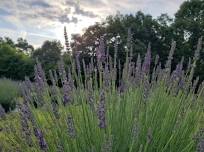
(39,20)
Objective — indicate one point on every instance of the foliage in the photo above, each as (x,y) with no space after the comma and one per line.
(146,112)
(23,46)
(49,54)
(114,29)
(14,64)
(188,26)
(7,40)
(9,92)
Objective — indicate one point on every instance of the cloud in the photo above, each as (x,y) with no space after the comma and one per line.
(29,10)
(65,19)
(40,4)
(78,10)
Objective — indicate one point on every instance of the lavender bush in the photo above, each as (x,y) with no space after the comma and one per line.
(150,110)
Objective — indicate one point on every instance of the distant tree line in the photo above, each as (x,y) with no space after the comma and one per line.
(18,59)
(185,28)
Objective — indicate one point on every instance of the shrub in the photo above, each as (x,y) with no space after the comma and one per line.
(9,91)
(157,112)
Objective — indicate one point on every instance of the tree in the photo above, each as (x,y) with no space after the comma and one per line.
(48,54)
(14,64)
(23,46)
(188,27)
(86,43)
(7,40)
(144,29)
(189,24)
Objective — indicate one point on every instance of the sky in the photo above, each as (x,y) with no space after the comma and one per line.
(40,20)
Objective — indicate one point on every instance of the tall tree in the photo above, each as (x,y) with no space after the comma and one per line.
(188,27)
(48,54)
(87,42)
(23,46)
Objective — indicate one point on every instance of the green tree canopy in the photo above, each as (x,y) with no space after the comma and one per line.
(14,64)
(23,46)
(48,54)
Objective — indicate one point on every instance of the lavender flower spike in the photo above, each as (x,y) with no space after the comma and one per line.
(100,52)
(77,57)
(71,128)
(41,139)
(101,111)
(147,60)
(25,127)
(200,146)
(2,112)
(66,96)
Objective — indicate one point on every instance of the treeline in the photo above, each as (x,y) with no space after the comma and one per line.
(132,31)
(17,60)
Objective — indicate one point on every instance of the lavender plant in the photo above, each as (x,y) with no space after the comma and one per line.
(149,111)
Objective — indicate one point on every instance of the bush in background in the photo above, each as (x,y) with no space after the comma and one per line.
(9,91)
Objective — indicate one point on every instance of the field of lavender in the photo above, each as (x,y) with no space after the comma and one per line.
(110,108)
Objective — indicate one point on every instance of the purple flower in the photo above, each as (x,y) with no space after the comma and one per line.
(67,45)
(146,87)
(70,80)
(158,71)
(200,146)
(53,88)
(71,128)
(2,112)
(106,76)
(65,84)
(66,93)
(60,147)
(135,130)
(116,51)
(100,51)
(90,95)
(195,84)
(177,73)
(55,77)
(154,74)
(52,78)
(55,108)
(199,47)
(39,83)
(108,145)
(129,38)
(26,93)
(26,111)
(101,111)
(122,87)
(39,80)
(170,57)
(62,72)
(25,127)
(138,70)
(147,60)
(41,139)
(77,55)
(28,84)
